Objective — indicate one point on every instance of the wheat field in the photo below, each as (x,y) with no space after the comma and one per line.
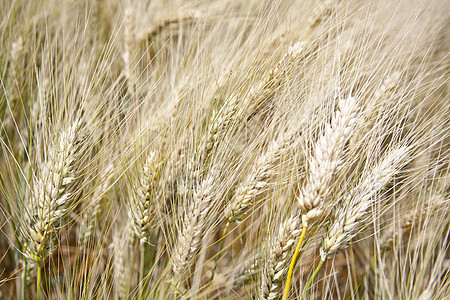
(168,149)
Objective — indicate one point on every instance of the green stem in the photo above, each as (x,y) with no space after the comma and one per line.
(141,270)
(292,265)
(38,283)
(24,280)
(312,277)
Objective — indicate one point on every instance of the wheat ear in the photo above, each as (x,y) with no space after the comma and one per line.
(142,202)
(190,238)
(220,124)
(52,197)
(13,84)
(246,272)
(411,219)
(16,68)
(257,182)
(279,258)
(175,18)
(273,78)
(121,247)
(407,223)
(351,214)
(140,208)
(326,159)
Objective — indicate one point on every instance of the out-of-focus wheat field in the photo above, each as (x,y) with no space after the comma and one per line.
(168,149)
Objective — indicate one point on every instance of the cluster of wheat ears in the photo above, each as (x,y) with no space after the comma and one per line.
(172,149)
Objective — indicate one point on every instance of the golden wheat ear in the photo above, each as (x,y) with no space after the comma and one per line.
(190,238)
(55,189)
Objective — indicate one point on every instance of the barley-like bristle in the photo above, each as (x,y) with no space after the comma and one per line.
(90,217)
(412,219)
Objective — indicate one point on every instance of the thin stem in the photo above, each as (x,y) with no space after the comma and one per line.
(213,271)
(38,283)
(141,270)
(292,265)
(176,291)
(312,277)
(24,280)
